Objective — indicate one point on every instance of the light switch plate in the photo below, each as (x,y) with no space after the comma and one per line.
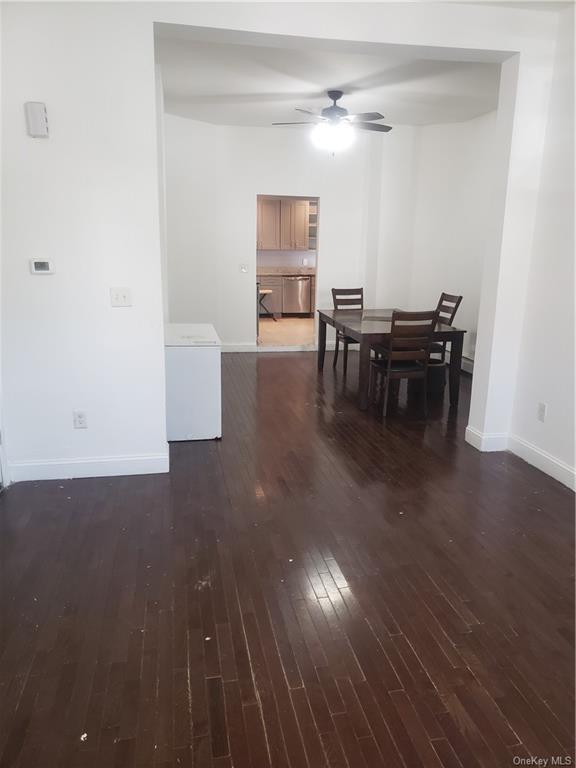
(244,268)
(120,297)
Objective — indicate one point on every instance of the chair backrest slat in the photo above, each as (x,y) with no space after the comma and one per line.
(447,307)
(348,298)
(411,335)
(348,303)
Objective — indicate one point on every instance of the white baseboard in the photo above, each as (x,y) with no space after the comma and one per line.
(288,348)
(543,460)
(467,365)
(97,466)
(529,452)
(269,348)
(247,346)
(330,346)
(486,441)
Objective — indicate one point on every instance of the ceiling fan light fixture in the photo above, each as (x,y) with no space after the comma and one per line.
(333,136)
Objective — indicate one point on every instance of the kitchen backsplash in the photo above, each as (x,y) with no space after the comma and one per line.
(286,258)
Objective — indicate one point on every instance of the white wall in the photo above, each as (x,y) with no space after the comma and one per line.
(393,252)
(4,477)
(546,368)
(214,174)
(196,209)
(416,223)
(86,198)
(93,200)
(161,144)
(452,202)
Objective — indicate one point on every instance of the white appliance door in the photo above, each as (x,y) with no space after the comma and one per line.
(193,400)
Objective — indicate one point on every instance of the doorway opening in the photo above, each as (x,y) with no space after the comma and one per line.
(286,264)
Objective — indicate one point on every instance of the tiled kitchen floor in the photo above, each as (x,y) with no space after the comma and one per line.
(287,331)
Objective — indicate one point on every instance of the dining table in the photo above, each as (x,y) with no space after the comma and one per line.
(372,326)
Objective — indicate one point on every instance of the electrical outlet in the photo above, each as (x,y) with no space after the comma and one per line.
(120,297)
(304,262)
(244,268)
(79,419)
(541,411)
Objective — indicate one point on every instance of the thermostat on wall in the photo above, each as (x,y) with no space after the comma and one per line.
(38,267)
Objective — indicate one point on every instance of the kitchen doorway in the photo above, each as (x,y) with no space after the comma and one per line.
(286,263)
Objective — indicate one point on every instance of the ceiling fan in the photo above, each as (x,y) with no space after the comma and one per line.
(335,116)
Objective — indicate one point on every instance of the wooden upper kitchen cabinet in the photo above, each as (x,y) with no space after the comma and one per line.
(283,224)
(293,224)
(268,224)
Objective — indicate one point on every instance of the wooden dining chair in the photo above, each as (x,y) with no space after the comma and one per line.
(447,308)
(346,298)
(406,354)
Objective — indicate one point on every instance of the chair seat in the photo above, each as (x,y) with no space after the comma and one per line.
(434,347)
(382,350)
(398,366)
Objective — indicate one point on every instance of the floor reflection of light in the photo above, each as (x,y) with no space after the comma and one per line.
(337,601)
(311,595)
(259,492)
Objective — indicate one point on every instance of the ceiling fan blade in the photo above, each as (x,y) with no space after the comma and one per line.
(306,111)
(304,122)
(373,127)
(367,116)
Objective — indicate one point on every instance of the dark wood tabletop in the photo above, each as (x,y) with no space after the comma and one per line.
(372,326)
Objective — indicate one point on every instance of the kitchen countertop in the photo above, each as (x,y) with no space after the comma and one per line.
(279,271)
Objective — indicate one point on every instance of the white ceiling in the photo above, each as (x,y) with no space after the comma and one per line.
(245,84)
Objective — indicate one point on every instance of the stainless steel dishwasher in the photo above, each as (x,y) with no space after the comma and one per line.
(296,296)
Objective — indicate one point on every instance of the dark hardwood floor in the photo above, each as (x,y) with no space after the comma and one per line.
(317,589)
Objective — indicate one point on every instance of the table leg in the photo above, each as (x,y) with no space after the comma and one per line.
(364,375)
(321,343)
(455,367)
